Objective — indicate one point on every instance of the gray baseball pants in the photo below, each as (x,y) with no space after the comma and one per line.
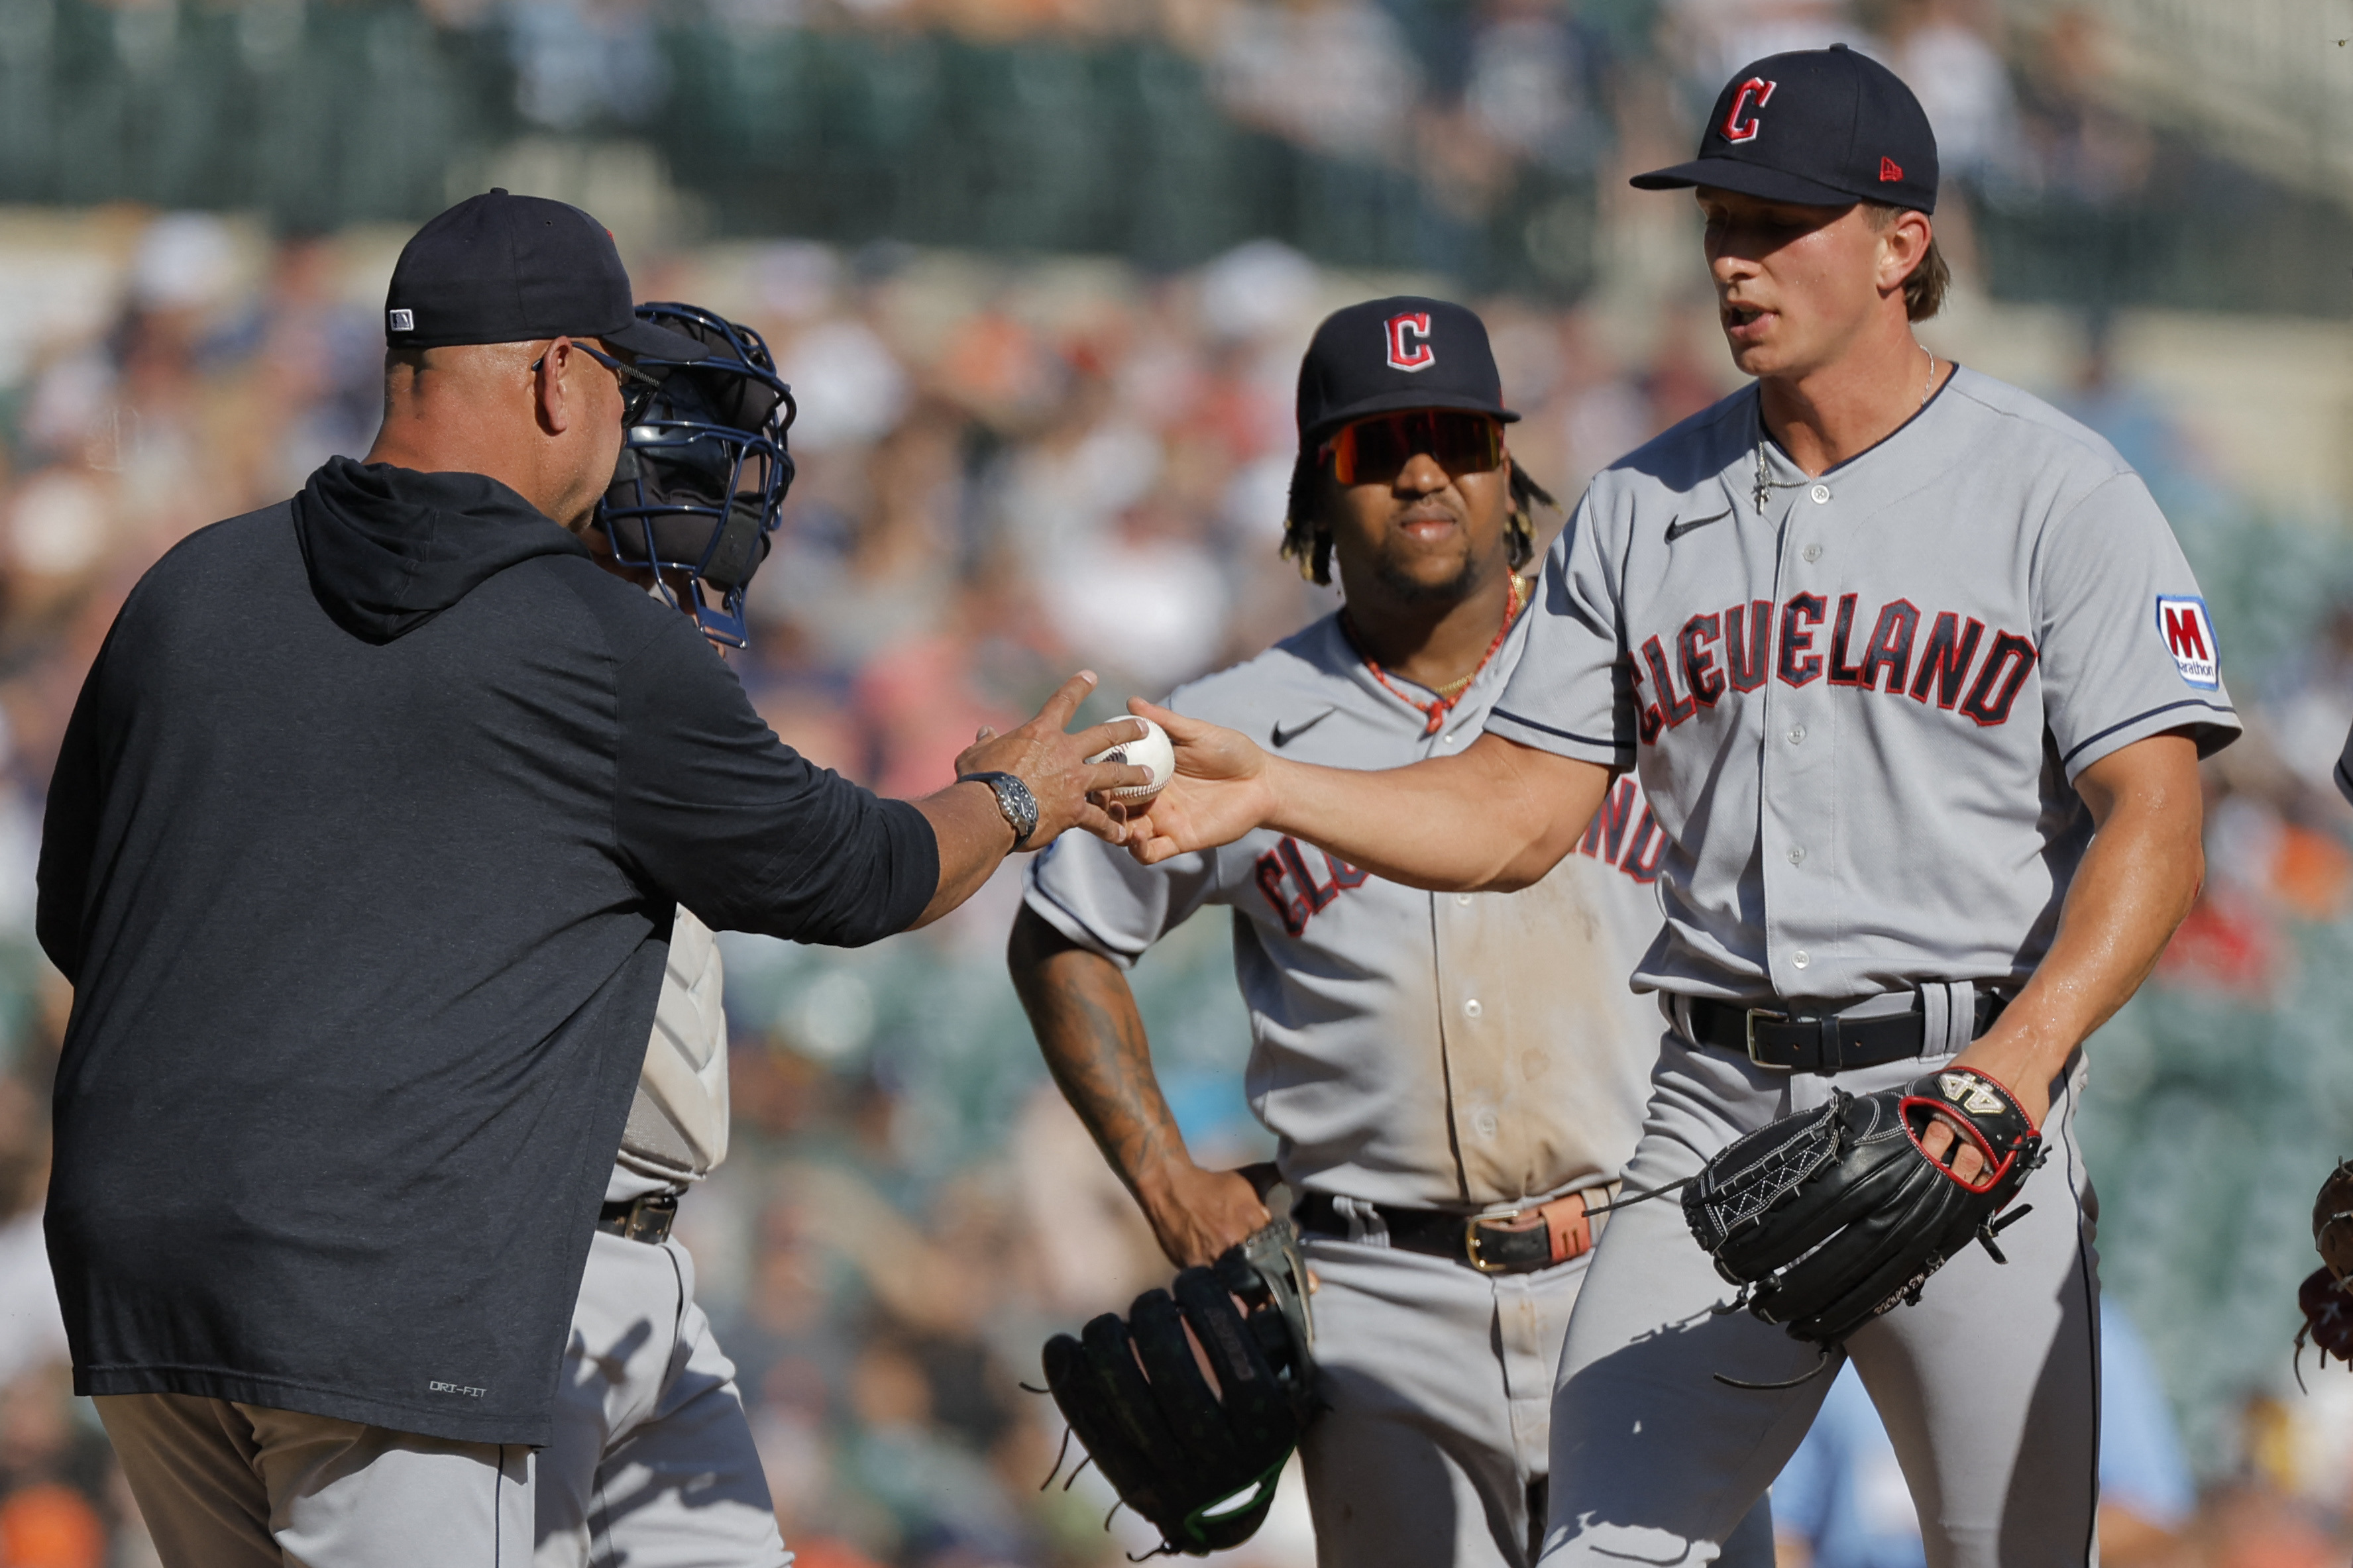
(652,1462)
(1432,1451)
(223,1485)
(1989,1387)
(651,1465)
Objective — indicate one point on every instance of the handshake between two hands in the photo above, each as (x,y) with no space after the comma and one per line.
(1158,782)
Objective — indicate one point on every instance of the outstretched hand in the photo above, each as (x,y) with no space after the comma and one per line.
(1053,762)
(1221,789)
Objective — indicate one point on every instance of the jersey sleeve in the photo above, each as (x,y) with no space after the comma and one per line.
(1096,895)
(1570,693)
(2128,648)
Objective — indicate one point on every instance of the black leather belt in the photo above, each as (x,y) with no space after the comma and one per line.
(645,1219)
(1823,1042)
(1489,1242)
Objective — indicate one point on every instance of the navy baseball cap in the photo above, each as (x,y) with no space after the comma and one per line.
(1818,127)
(1404,352)
(499,269)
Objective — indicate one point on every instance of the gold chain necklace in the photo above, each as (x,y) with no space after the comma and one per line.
(1434,713)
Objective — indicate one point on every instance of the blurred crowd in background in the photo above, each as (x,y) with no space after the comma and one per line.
(1465,91)
(1012,468)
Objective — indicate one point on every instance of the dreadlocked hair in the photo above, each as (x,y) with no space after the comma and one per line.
(1307,540)
(1303,540)
(1527,496)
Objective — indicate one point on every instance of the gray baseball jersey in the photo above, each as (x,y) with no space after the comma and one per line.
(651,1458)
(677,1130)
(1859,710)
(1434,1050)
(1858,703)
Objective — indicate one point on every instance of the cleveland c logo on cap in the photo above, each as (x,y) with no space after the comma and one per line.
(1736,129)
(1408,336)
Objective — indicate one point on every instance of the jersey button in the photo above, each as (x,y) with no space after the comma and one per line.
(1463,899)
(1485,1123)
(1471,1008)
(1820,494)
(1812,552)
(1798,959)
(1797,734)
(1797,855)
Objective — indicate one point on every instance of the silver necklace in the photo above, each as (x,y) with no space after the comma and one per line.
(1766,484)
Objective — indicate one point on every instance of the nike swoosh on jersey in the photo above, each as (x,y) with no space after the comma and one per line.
(1282,737)
(1678,528)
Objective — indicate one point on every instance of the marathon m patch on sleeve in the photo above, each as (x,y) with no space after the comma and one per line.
(2189,634)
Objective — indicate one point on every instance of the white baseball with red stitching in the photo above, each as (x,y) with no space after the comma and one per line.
(1152,750)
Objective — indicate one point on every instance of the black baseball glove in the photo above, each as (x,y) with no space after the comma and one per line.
(1828,1219)
(1198,1454)
(2324,1297)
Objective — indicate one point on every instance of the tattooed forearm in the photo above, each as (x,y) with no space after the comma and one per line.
(1093,1041)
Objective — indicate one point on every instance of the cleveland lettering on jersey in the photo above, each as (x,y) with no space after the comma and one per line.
(1623,835)
(1290,887)
(1731,650)
(1637,854)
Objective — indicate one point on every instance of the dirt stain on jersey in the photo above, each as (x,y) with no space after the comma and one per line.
(1547,1053)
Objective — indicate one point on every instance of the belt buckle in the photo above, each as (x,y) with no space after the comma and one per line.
(1750,1017)
(650,1215)
(1470,1240)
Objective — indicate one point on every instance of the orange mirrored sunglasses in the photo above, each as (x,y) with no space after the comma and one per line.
(1373,451)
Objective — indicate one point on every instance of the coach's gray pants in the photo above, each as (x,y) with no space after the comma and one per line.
(651,1465)
(1439,1384)
(1989,1387)
(223,1485)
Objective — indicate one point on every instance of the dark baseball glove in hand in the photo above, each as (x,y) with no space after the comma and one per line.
(1192,1406)
(2324,1296)
(1829,1217)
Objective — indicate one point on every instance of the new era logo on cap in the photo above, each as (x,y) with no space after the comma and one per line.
(400,320)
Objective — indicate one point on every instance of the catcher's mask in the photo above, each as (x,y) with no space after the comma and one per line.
(703,469)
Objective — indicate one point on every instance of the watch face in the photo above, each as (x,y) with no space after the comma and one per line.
(1021,807)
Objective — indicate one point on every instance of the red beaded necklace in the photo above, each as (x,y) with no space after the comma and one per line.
(1436,710)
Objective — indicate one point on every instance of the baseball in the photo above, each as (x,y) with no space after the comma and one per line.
(1151,750)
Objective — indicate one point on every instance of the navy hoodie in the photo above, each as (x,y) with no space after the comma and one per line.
(360,855)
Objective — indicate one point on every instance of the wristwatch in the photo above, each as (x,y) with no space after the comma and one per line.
(1014,799)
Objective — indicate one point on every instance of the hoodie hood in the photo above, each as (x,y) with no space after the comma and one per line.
(389,548)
